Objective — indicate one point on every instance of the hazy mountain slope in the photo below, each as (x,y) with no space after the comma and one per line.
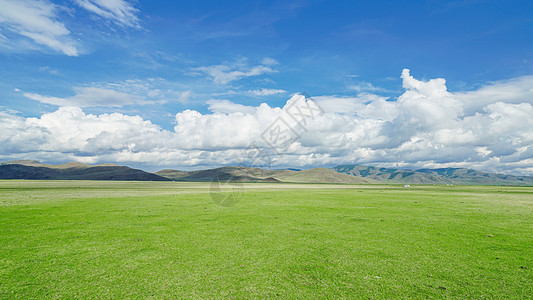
(244,174)
(433,176)
(15,171)
(321,175)
(231,173)
(73,171)
(172,174)
(469,176)
(391,175)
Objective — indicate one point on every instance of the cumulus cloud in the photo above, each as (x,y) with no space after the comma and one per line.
(266,92)
(37,20)
(365,105)
(427,126)
(224,74)
(120,12)
(515,91)
(92,96)
(69,130)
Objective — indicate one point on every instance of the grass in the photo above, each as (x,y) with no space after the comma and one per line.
(90,239)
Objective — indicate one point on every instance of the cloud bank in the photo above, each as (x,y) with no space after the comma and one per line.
(427,126)
(94,96)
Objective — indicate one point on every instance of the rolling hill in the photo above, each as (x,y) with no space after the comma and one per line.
(321,175)
(223,173)
(245,174)
(28,169)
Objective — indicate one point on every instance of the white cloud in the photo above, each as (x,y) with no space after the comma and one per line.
(31,24)
(517,90)
(266,92)
(120,93)
(120,12)
(184,97)
(38,21)
(93,96)
(268,61)
(364,86)
(427,126)
(224,74)
(157,89)
(228,107)
(49,70)
(70,130)
(364,105)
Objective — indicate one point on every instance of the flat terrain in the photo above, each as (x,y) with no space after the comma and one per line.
(95,239)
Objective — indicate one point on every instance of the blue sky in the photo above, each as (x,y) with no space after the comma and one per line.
(159,61)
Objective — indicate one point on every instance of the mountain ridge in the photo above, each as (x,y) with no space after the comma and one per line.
(344,174)
(30,169)
(248,174)
(433,176)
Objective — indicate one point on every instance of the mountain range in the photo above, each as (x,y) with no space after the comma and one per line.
(246,174)
(354,174)
(433,176)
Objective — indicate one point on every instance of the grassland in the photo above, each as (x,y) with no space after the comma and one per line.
(91,239)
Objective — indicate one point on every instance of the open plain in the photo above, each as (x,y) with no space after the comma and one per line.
(104,239)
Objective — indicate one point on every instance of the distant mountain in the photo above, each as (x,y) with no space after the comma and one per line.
(321,175)
(28,169)
(355,174)
(223,173)
(433,176)
(469,176)
(245,174)
(387,175)
(172,174)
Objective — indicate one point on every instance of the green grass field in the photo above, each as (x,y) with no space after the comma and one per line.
(86,239)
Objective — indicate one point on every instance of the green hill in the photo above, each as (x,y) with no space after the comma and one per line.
(321,175)
(223,173)
(172,174)
(27,169)
(245,174)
